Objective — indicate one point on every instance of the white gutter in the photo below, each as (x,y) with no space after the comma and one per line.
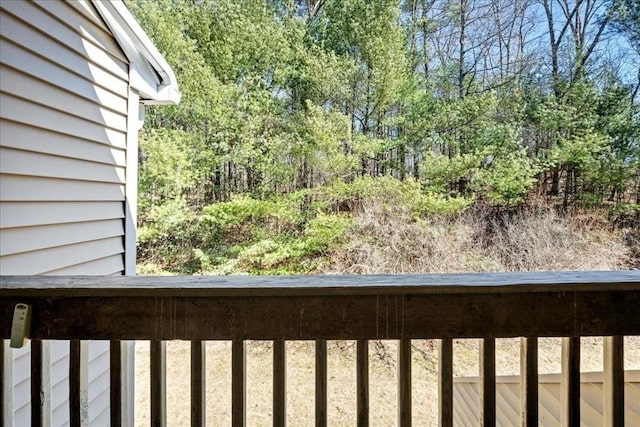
(149,73)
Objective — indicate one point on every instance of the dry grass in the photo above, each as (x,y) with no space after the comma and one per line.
(531,239)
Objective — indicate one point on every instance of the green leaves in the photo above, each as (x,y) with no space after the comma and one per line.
(507,179)
(291,117)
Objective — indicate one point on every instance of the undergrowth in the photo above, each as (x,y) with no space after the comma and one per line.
(381,226)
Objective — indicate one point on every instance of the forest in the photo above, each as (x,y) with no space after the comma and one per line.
(356,136)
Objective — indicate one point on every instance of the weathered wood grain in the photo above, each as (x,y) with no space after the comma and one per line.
(2,379)
(445,383)
(186,286)
(238,384)
(488,382)
(570,382)
(614,381)
(321,383)
(158,383)
(279,384)
(198,383)
(366,316)
(529,381)
(404,383)
(362,383)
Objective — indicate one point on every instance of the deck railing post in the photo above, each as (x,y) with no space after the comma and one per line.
(279,383)
(404,382)
(158,383)
(75,384)
(2,381)
(37,393)
(321,383)
(570,382)
(362,382)
(529,381)
(614,381)
(238,383)
(115,381)
(488,381)
(198,383)
(445,383)
(321,308)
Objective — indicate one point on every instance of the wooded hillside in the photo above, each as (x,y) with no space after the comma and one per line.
(302,120)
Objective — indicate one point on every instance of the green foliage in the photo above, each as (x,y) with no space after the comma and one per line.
(390,194)
(441,173)
(168,234)
(507,179)
(298,117)
(166,168)
(254,236)
(441,205)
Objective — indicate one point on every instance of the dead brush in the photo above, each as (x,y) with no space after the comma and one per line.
(537,238)
(387,238)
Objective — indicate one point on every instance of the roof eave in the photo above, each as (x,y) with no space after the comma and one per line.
(149,74)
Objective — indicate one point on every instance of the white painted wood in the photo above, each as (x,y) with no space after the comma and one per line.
(46,383)
(84,374)
(21,386)
(466,408)
(85,8)
(135,118)
(149,74)
(63,112)
(28,214)
(6,388)
(71,63)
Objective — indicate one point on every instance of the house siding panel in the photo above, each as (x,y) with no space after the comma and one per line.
(52,259)
(21,162)
(18,84)
(19,188)
(63,138)
(80,83)
(35,23)
(467,400)
(40,116)
(28,214)
(26,138)
(107,266)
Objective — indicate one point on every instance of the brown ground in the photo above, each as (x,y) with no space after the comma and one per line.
(300,378)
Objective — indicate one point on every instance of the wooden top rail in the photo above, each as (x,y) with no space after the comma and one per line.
(381,284)
(326,307)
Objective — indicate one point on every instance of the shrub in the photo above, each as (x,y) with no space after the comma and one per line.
(167,234)
(390,194)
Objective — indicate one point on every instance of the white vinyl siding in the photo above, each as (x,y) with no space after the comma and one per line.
(467,402)
(64,101)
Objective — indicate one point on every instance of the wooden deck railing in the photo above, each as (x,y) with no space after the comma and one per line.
(362,308)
